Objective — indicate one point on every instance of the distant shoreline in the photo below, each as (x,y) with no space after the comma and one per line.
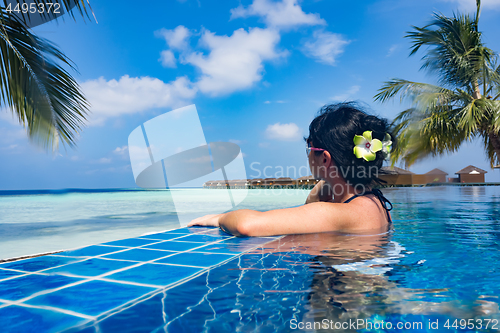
(111,190)
(84,190)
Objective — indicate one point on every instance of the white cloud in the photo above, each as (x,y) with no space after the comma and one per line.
(235,62)
(280,14)
(177,39)
(346,95)
(283,132)
(130,95)
(121,150)
(267,102)
(167,59)
(392,49)
(324,46)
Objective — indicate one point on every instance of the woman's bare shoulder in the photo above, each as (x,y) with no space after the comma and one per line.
(367,211)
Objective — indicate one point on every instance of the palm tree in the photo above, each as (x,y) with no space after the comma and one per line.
(465,105)
(42,95)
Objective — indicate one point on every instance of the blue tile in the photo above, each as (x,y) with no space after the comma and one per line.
(155,274)
(7,274)
(178,231)
(163,236)
(200,238)
(91,267)
(153,313)
(139,254)
(38,263)
(91,298)
(145,316)
(229,248)
(173,246)
(91,251)
(132,242)
(21,319)
(24,286)
(196,259)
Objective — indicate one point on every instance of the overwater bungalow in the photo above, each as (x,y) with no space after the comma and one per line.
(268,182)
(256,183)
(433,176)
(239,183)
(209,184)
(284,182)
(306,182)
(470,174)
(396,176)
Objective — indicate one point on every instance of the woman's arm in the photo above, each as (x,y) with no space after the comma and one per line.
(311,218)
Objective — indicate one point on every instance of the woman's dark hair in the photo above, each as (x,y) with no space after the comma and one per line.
(334,129)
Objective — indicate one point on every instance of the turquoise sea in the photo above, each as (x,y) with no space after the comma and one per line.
(32,223)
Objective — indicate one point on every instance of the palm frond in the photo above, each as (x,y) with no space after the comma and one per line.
(421,134)
(491,153)
(493,117)
(443,117)
(43,95)
(409,90)
(455,51)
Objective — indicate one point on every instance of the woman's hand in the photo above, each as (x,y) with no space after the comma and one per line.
(321,192)
(211,220)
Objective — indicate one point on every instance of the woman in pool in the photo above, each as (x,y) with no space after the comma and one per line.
(346,148)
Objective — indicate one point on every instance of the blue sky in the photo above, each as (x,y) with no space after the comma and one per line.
(257,70)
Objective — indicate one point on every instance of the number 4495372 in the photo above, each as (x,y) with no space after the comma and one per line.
(472,324)
(32,8)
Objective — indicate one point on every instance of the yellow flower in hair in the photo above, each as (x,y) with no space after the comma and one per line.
(366,147)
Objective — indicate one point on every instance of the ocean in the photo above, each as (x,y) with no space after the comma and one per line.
(33,222)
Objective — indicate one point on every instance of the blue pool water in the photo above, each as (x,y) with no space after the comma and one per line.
(437,271)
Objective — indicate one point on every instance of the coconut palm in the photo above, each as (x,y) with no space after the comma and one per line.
(465,105)
(41,94)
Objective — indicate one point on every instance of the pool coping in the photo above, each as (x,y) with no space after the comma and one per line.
(90,320)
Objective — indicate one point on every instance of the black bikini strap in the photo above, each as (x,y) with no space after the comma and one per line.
(353,197)
(378,194)
(383,200)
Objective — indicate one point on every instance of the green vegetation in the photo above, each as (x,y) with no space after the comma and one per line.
(464,105)
(41,94)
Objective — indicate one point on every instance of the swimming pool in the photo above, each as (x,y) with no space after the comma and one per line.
(437,271)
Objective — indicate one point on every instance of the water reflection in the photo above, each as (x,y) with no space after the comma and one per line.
(472,193)
(352,281)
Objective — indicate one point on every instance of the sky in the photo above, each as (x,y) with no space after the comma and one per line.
(258,71)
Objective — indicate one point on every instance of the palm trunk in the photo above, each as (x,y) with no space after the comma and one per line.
(477,92)
(495,142)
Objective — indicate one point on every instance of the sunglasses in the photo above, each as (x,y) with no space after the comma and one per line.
(309,148)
